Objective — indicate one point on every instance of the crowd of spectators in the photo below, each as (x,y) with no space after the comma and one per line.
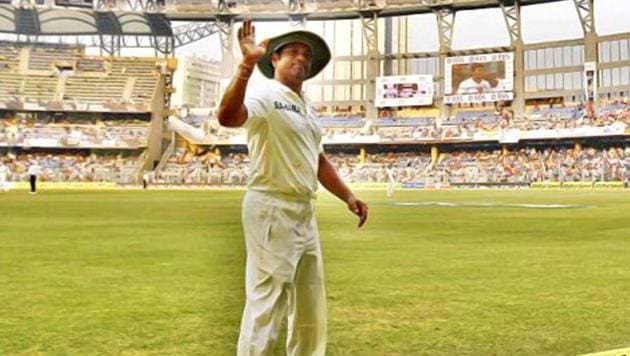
(407,167)
(29,132)
(525,165)
(194,165)
(461,126)
(72,167)
(529,165)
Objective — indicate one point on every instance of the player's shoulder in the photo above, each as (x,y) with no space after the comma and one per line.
(263,90)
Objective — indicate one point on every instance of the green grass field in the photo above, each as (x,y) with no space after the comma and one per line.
(161,273)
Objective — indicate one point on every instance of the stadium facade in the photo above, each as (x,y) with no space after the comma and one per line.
(198,81)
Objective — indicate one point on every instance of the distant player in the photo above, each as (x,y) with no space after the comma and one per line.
(4,172)
(391,182)
(33,172)
(146,178)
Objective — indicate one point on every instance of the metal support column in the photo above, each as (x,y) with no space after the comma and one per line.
(512,15)
(586,15)
(445,22)
(369,22)
(297,14)
(225,26)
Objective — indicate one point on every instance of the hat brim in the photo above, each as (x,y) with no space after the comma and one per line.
(319,50)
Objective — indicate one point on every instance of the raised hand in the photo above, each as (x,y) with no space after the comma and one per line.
(247,41)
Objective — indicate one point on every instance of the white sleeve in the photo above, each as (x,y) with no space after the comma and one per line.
(257,106)
(464,87)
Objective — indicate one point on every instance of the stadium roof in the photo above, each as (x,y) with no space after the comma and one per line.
(57,21)
(279,10)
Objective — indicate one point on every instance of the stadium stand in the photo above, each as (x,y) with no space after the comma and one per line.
(83,118)
(9,57)
(65,75)
(28,132)
(480,166)
(73,166)
(46,58)
(188,165)
(527,165)
(407,167)
(512,164)
(535,137)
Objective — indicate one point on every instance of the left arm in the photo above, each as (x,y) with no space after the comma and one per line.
(328,177)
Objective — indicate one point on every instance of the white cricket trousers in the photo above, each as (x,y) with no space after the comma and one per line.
(284,276)
(390,189)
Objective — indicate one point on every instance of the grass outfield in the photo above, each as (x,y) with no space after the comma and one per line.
(161,273)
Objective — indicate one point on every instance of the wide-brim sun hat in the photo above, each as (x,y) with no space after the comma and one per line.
(319,50)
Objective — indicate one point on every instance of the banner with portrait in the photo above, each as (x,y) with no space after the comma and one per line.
(479,78)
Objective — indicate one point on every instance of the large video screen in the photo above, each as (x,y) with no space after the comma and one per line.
(404,90)
(479,78)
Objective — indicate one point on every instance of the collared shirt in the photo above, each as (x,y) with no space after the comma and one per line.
(284,141)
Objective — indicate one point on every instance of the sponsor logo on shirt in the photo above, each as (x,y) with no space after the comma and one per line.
(290,107)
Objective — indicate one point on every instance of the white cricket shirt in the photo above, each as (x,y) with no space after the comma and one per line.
(470,86)
(33,170)
(284,141)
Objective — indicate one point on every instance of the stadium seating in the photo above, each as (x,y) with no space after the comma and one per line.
(407,133)
(37,77)
(143,70)
(341,121)
(45,58)
(405,122)
(520,166)
(39,88)
(63,74)
(75,166)
(122,133)
(207,168)
(11,86)
(467,117)
(87,65)
(407,167)
(9,58)
(532,165)
(561,112)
